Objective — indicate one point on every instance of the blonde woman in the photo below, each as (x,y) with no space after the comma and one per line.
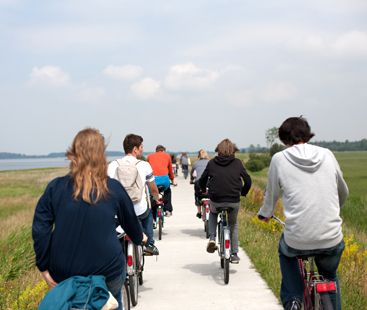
(196,172)
(74,221)
(227,180)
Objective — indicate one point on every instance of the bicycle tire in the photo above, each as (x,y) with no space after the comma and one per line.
(226,270)
(133,281)
(206,229)
(160,227)
(125,296)
(140,260)
(222,262)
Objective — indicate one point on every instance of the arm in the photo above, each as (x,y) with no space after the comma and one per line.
(204,179)
(272,193)
(343,190)
(41,233)
(170,170)
(246,179)
(153,189)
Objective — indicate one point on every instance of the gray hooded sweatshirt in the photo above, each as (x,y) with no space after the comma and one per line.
(313,190)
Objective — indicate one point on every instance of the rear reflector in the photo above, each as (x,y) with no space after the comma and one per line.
(324,287)
(226,244)
(129,260)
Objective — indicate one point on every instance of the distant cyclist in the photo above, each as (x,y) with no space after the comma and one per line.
(133,147)
(162,169)
(311,184)
(185,164)
(227,180)
(198,169)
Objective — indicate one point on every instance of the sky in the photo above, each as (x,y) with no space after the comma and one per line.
(185,74)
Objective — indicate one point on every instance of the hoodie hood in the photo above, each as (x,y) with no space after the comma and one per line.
(305,156)
(223,160)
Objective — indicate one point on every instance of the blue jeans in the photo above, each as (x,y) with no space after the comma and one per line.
(115,287)
(327,262)
(147,225)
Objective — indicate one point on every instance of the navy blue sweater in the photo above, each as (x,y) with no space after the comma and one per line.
(72,237)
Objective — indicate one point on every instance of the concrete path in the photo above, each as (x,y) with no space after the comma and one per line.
(185,276)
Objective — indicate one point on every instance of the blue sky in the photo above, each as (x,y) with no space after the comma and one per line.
(185,74)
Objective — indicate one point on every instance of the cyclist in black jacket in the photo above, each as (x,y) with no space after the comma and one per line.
(227,180)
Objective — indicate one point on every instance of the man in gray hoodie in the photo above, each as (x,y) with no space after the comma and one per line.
(311,184)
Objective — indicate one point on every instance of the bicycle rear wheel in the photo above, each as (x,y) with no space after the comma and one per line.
(226,270)
(160,227)
(125,296)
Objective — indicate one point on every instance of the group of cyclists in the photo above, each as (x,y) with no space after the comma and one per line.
(75,215)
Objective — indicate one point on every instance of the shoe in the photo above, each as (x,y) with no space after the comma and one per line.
(154,225)
(234,258)
(211,247)
(151,249)
(198,215)
(168,213)
(294,304)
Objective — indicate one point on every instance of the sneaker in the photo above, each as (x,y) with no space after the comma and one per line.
(294,304)
(154,225)
(235,259)
(198,215)
(151,249)
(211,247)
(168,213)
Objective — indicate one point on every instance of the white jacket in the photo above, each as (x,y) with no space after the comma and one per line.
(313,190)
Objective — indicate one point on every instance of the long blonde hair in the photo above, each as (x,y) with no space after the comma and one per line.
(88,165)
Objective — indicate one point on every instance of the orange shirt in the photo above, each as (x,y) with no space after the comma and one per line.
(161,164)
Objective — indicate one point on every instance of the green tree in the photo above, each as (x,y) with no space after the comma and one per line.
(271,136)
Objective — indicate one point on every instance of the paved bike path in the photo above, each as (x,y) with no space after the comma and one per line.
(185,276)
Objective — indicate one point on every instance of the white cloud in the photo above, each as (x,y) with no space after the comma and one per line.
(353,43)
(146,88)
(189,77)
(49,75)
(128,72)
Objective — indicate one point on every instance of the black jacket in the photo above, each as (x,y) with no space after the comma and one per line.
(223,176)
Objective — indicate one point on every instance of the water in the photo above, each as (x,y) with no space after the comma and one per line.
(33,163)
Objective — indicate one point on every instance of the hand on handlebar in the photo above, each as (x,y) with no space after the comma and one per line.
(263,218)
(174,183)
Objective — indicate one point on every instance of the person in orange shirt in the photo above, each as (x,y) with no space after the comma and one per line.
(163,173)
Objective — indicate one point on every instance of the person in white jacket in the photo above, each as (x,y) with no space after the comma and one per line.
(309,180)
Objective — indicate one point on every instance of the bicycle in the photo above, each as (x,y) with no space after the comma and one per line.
(134,265)
(158,208)
(315,287)
(224,249)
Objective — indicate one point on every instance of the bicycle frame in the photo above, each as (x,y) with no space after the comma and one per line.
(205,209)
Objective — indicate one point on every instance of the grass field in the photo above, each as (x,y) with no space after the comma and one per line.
(22,288)
(260,240)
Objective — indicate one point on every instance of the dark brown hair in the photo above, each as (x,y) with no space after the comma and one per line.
(160,148)
(132,141)
(295,130)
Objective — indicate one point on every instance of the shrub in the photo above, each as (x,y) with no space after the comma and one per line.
(257,162)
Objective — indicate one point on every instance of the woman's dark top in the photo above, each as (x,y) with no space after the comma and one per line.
(226,178)
(72,237)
